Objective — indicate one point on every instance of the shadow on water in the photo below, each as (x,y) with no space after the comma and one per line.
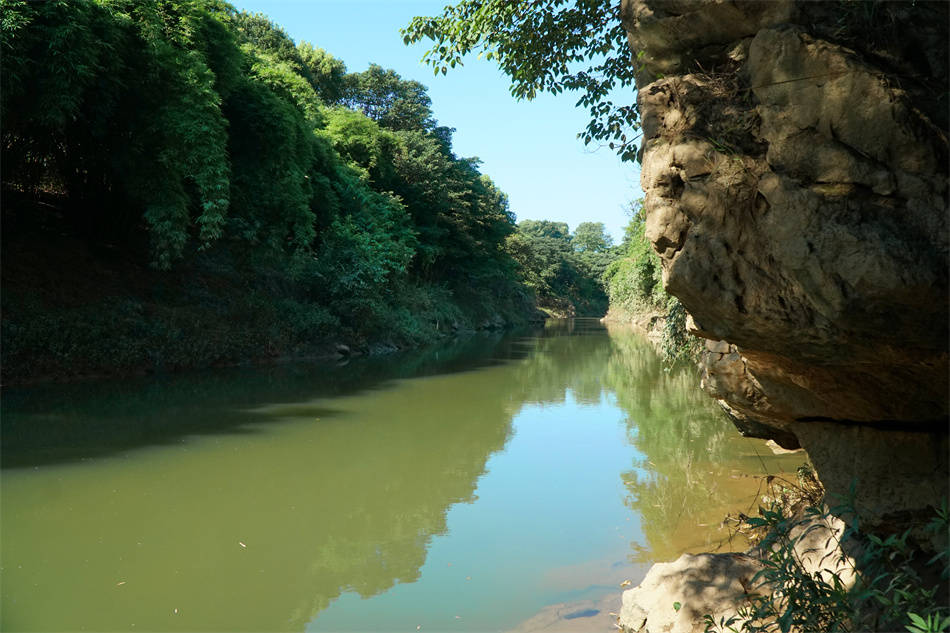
(50,424)
(233,533)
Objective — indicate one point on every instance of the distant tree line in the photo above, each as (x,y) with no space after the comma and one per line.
(565,270)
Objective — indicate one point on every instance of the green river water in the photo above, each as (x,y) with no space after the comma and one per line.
(491,484)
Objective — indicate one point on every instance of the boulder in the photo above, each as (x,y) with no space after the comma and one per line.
(677,597)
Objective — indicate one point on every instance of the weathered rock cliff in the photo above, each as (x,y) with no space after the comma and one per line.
(796,191)
(795,178)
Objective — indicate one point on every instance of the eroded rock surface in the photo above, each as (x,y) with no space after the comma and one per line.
(796,191)
(675,597)
(794,165)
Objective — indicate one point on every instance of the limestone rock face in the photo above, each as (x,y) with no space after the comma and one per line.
(701,584)
(794,165)
(676,597)
(795,179)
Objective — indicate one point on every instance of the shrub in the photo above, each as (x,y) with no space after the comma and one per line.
(889,591)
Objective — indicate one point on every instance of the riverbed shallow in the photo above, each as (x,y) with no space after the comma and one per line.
(496,483)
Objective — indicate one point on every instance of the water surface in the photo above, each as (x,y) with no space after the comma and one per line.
(467,487)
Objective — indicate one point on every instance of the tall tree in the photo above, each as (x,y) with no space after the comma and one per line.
(118,106)
(390,100)
(546,228)
(327,73)
(591,237)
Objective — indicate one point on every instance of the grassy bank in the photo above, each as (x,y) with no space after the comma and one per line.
(75,308)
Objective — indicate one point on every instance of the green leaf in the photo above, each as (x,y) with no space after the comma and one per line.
(916,619)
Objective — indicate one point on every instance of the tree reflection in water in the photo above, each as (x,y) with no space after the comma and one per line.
(335,480)
(696,467)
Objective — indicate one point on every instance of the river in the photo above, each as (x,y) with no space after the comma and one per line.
(495,483)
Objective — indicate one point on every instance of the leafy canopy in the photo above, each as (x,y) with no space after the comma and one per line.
(546,228)
(592,237)
(544,46)
(202,138)
(564,278)
(326,71)
(388,99)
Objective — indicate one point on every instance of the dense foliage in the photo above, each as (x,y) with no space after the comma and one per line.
(869,581)
(206,143)
(564,270)
(634,281)
(634,285)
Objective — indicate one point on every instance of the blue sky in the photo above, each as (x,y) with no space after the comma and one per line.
(529,148)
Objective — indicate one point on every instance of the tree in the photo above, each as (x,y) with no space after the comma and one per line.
(121,112)
(390,100)
(545,228)
(591,237)
(563,280)
(543,259)
(634,280)
(271,39)
(544,46)
(207,140)
(327,73)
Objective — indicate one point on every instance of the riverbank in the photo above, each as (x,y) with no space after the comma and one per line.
(665,327)
(75,308)
(650,322)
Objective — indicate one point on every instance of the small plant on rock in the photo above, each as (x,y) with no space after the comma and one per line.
(884,585)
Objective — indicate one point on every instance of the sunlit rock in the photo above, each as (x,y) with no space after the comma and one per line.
(796,193)
(794,162)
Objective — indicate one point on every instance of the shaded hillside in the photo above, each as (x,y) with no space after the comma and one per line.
(184,185)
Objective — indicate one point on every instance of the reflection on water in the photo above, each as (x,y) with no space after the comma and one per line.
(464,487)
(695,467)
(56,423)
